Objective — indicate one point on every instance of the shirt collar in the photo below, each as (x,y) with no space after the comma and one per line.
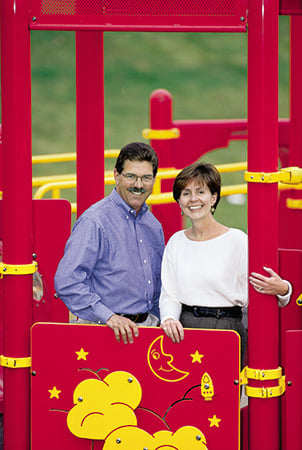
(120,202)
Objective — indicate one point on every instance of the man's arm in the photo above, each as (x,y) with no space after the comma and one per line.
(73,277)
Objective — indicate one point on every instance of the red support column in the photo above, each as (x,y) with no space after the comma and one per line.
(17,215)
(295,136)
(90,118)
(263,344)
(290,230)
(161,119)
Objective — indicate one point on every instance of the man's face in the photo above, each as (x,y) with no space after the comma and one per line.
(135,190)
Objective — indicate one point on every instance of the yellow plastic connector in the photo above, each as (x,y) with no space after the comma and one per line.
(257,374)
(288,175)
(172,133)
(292,175)
(294,203)
(299,300)
(18,269)
(15,363)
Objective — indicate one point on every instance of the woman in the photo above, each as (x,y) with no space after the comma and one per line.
(204,268)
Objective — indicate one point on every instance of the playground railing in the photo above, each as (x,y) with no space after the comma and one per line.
(56,183)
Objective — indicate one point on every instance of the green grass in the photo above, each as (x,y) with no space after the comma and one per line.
(205,72)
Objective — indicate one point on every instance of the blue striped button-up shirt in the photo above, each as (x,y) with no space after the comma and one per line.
(112,262)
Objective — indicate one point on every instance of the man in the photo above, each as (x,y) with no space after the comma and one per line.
(110,271)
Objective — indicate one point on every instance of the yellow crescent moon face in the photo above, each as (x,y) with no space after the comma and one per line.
(160,363)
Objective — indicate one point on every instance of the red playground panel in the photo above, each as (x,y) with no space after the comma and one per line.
(140,15)
(90,392)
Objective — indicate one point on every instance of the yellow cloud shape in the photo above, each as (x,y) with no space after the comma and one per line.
(133,438)
(101,406)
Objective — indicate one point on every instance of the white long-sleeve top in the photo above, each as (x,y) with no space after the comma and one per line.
(209,273)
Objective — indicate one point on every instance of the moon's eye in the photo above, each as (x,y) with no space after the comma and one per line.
(156,355)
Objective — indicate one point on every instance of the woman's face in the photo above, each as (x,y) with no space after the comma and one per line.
(196,200)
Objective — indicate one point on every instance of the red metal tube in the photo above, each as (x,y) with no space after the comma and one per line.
(17,214)
(263,341)
(90,118)
(161,119)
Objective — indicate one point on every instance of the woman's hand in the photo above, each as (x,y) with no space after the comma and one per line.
(272,285)
(173,329)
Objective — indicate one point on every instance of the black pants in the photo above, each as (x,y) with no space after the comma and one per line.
(189,320)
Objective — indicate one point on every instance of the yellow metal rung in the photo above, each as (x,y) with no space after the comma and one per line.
(172,133)
(17,269)
(15,363)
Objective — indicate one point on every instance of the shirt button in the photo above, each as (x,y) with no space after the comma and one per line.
(140,241)
(149,281)
(145,261)
(127,217)
(99,321)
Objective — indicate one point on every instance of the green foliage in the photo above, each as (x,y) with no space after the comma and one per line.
(205,72)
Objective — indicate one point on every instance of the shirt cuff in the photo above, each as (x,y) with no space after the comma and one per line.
(167,317)
(283,300)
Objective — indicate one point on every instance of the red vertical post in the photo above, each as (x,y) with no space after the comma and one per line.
(17,215)
(295,136)
(161,119)
(90,118)
(291,226)
(263,344)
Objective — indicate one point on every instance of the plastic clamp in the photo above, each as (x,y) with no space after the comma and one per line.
(288,175)
(172,133)
(292,175)
(294,203)
(18,269)
(275,391)
(258,374)
(15,363)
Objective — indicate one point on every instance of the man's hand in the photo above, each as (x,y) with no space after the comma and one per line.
(122,327)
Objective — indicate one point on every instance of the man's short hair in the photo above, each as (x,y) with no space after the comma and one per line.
(137,151)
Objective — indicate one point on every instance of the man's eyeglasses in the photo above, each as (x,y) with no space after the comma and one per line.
(132,178)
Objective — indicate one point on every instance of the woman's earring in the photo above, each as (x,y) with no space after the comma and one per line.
(212,209)
(182,213)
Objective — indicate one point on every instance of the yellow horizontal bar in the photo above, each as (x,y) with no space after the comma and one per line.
(40,181)
(15,363)
(61,157)
(56,157)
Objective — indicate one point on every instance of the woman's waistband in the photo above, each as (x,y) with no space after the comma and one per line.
(204,311)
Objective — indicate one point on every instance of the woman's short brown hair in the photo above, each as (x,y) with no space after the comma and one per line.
(205,173)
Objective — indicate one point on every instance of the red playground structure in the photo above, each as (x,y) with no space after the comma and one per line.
(46,367)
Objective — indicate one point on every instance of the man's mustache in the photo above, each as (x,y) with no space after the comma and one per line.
(136,190)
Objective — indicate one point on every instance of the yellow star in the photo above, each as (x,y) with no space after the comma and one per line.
(54,392)
(214,421)
(196,357)
(82,354)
